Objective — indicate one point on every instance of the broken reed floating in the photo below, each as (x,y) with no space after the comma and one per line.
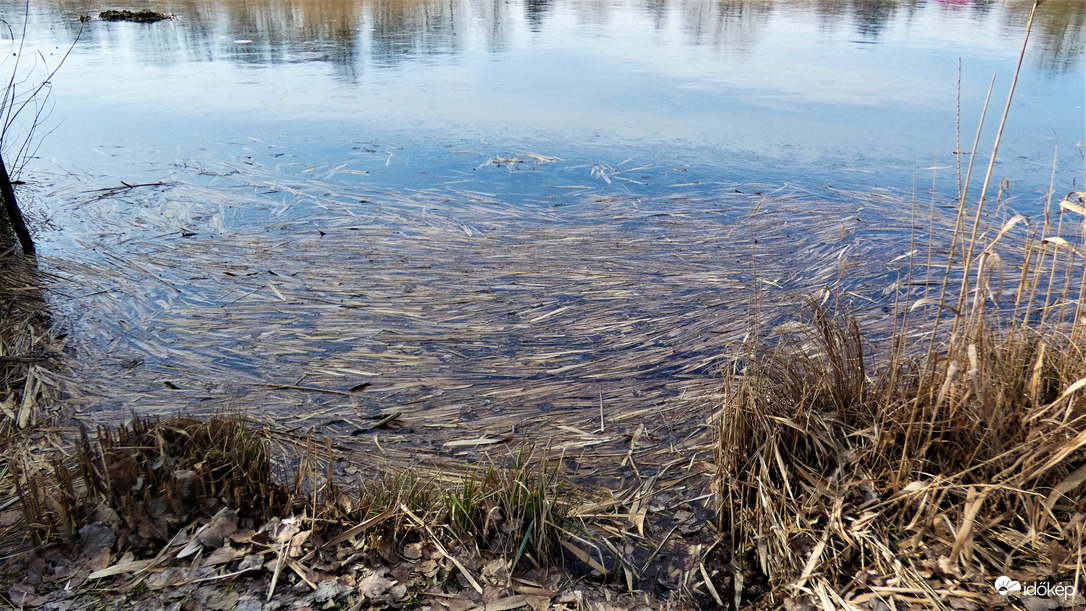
(475,319)
(421,325)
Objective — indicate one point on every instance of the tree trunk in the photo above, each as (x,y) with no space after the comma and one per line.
(7,193)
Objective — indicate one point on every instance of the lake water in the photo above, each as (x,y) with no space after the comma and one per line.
(417,94)
(505,215)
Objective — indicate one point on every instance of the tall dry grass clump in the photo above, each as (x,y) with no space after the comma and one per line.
(930,473)
(915,476)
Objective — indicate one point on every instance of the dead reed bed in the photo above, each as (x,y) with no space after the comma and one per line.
(957,456)
(157,506)
(946,468)
(30,374)
(472,320)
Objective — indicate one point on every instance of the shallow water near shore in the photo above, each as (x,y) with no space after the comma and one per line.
(501,215)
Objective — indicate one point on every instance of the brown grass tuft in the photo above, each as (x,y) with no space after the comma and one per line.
(958,457)
(154,477)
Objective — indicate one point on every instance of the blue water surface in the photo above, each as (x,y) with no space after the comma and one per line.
(573,94)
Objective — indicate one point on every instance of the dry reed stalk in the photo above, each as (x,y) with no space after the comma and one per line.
(809,480)
(963,291)
(929,475)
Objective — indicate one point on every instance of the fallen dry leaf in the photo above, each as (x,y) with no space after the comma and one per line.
(297,542)
(95,537)
(459,604)
(242,536)
(412,551)
(22,595)
(223,555)
(497,571)
(224,524)
(222,600)
(429,568)
(250,562)
(10,517)
(375,586)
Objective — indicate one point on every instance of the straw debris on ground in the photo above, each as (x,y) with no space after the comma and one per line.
(158,513)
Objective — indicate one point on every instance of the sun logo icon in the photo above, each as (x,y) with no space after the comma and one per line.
(1005,585)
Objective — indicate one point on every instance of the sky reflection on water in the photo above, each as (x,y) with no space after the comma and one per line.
(420,94)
